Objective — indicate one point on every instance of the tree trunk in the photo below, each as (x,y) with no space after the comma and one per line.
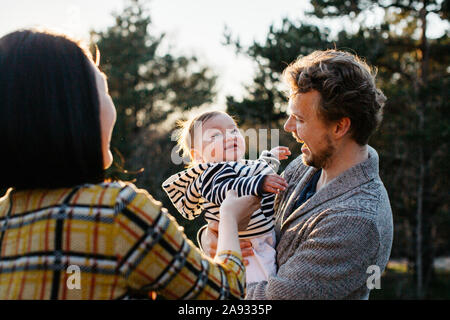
(419,270)
(421,251)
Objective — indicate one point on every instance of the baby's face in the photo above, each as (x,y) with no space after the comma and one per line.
(221,141)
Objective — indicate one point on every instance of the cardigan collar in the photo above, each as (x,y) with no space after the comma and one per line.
(346,181)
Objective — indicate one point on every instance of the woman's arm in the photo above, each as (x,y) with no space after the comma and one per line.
(155,255)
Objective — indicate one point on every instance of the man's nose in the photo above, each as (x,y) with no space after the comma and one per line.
(288,125)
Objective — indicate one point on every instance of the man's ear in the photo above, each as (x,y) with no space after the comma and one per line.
(342,127)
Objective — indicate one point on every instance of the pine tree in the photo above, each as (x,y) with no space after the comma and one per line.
(416,79)
(145,84)
(413,71)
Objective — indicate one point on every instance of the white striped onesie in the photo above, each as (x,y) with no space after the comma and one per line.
(203,188)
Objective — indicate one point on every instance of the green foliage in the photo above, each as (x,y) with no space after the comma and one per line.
(146,85)
(398,284)
(413,72)
(353,8)
(266,100)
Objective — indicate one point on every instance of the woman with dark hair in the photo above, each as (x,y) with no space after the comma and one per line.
(59,215)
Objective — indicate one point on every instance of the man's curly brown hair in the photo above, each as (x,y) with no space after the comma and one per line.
(347,88)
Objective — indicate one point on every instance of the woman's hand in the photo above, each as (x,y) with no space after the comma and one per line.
(281,153)
(239,208)
(235,213)
(208,241)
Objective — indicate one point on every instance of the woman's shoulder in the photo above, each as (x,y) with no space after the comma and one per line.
(121,193)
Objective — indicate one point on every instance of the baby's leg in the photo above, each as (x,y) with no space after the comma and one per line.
(262,264)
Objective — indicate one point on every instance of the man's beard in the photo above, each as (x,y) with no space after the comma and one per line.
(322,158)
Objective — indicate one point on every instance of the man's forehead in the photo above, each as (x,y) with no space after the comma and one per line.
(293,104)
(303,102)
(289,108)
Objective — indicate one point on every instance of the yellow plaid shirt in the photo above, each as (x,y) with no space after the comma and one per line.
(104,241)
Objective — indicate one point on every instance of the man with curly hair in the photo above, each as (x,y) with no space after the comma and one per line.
(334,220)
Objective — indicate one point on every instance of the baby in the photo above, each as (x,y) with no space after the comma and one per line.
(216,148)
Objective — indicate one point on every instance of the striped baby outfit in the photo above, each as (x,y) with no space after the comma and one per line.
(202,189)
(121,241)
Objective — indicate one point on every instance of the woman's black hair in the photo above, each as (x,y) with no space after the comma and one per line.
(50,135)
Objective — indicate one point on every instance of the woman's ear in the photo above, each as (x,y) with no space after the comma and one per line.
(342,127)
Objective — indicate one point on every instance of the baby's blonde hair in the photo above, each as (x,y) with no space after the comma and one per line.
(186,129)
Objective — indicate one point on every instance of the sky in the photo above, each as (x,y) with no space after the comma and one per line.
(192,27)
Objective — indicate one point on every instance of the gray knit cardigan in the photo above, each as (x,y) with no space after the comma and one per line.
(325,247)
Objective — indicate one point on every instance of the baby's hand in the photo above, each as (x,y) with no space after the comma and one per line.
(274,184)
(281,153)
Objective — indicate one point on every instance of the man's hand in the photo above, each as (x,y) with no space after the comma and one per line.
(209,242)
(281,153)
(274,184)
